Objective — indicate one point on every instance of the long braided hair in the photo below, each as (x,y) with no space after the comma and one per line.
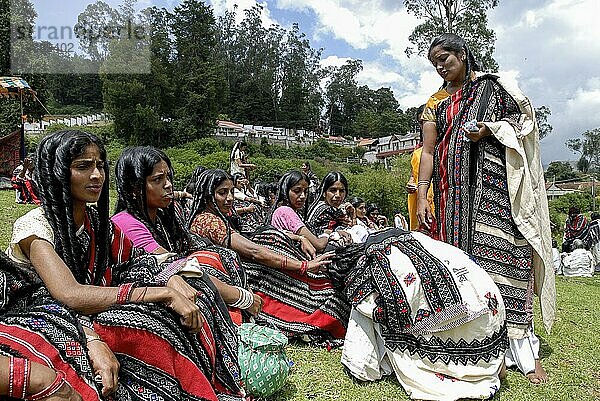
(456,44)
(133,167)
(52,176)
(282,198)
(204,196)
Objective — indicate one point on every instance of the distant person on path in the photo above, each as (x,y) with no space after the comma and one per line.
(22,182)
(576,227)
(313,183)
(481,150)
(239,159)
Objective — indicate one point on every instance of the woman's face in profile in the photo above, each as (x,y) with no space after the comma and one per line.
(361,211)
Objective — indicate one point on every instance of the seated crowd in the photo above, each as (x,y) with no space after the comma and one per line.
(146,303)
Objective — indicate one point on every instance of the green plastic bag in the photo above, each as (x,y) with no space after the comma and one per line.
(264,364)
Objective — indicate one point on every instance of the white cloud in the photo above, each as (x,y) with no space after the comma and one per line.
(220,6)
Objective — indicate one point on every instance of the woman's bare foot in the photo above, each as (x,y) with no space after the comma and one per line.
(539,376)
(502,374)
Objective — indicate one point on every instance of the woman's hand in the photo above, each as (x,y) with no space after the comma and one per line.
(424,213)
(477,135)
(188,311)
(411,187)
(104,364)
(320,263)
(308,248)
(177,283)
(256,305)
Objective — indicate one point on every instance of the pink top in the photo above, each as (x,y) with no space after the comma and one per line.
(285,218)
(136,231)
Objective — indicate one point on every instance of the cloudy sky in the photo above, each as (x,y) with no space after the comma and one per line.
(550,45)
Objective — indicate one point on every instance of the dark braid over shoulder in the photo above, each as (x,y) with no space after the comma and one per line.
(52,176)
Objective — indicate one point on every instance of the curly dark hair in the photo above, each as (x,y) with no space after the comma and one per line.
(133,167)
(206,186)
(52,176)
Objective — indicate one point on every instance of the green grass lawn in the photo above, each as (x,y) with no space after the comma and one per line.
(570,354)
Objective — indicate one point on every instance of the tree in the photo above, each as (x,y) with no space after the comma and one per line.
(541,114)
(467,18)
(559,171)
(96,26)
(588,147)
(199,76)
(301,101)
(341,94)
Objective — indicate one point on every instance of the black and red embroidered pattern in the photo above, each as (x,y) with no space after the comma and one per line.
(298,305)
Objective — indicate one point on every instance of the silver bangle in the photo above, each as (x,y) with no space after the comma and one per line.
(245,300)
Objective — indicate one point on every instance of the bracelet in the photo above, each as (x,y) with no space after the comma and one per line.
(245,300)
(304,268)
(90,337)
(283,263)
(124,293)
(50,390)
(18,377)
(140,297)
(424,183)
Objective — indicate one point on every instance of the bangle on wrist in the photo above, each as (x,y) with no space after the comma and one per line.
(18,377)
(425,183)
(91,337)
(244,301)
(304,268)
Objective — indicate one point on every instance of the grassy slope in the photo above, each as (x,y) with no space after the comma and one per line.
(570,354)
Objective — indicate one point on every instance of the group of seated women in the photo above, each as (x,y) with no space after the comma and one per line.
(146,304)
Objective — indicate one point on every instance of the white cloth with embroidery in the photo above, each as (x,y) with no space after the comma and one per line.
(368,358)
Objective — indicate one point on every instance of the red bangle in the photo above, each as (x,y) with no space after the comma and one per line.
(50,390)
(18,375)
(124,294)
(304,267)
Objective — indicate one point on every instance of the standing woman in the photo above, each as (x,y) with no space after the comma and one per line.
(65,247)
(490,198)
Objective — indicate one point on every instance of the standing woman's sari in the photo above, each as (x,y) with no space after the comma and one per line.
(489,201)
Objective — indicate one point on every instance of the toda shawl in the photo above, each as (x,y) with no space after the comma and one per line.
(527,192)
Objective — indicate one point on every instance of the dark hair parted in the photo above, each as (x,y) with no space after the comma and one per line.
(282,197)
(52,176)
(457,45)
(133,167)
(331,178)
(206,188)
(356,201)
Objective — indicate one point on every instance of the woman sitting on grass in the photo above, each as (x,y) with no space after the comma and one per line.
(141,338)
(146,215)
(325,215)
(31,320)
(297,299)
